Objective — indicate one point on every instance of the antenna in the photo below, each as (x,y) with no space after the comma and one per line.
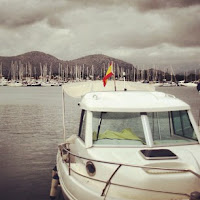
(124,76)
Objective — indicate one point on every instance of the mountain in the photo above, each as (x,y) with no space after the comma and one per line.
(36,58)
(99,60)
(100,63)
(33,58)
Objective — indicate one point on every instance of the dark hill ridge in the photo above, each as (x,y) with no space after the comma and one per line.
(99,60)
(100,63)
(35,58)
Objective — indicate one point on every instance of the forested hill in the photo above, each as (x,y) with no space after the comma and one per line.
(36,59)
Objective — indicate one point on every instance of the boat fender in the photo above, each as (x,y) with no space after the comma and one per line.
(195,196)
(54,171)
(54,185)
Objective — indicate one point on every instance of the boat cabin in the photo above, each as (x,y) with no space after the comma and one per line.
(135,119)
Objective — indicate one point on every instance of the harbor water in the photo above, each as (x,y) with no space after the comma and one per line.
(30,130)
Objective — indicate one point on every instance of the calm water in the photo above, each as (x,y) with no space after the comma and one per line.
(31,128)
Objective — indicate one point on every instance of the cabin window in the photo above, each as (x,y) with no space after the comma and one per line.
(182,125)
(82,125)
(159,123)
(171,127)
(113,128)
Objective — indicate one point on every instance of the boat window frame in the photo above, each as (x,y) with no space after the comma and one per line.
(182,126)
(194,125)
(147,129)
(172,129)
(83,114)
(144,122)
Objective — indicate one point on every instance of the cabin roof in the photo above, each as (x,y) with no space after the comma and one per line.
(131,101)
(78,89)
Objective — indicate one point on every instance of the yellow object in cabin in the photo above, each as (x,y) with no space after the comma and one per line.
(125,134)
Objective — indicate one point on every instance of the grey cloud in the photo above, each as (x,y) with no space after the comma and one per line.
(55,21)
(142,5)
(70,29)
(185,27)
(145,5)
(20,13)
(177,27)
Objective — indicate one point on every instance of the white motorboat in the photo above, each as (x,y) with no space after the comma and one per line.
(45,84)
(189,84)
(168,84)
(15,84)
(131,145)
(3,82)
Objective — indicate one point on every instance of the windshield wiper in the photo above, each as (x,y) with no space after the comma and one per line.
(99,126)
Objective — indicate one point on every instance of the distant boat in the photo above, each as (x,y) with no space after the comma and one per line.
(188,84)
(46,84)
(34,84)
(168,84)
(15,84)
(3,82)
(56,84)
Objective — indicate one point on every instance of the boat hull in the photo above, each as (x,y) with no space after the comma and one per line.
(76,187)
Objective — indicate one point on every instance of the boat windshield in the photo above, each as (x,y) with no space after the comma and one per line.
(117,128)
(171,128)
(167,128)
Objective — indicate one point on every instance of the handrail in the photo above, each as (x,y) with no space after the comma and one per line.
(137,188)
(107,183)
(136,166)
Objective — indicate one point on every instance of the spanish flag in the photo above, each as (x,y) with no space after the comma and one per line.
(109,73)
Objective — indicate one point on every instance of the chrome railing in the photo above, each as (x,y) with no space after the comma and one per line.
(67,159)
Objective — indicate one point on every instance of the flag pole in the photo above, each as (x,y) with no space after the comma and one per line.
(114,77)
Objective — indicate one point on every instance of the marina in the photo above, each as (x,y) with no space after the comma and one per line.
(100,100)
(31,129)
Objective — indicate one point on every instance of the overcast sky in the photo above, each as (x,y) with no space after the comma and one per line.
(142,32)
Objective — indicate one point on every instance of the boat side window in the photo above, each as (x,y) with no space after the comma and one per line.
(171,127)
(182,125)
(115,128)
(82,125)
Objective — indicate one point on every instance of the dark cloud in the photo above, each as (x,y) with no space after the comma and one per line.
(145,5)
(178,27)
(186,31)
(55,21)
(21,13)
